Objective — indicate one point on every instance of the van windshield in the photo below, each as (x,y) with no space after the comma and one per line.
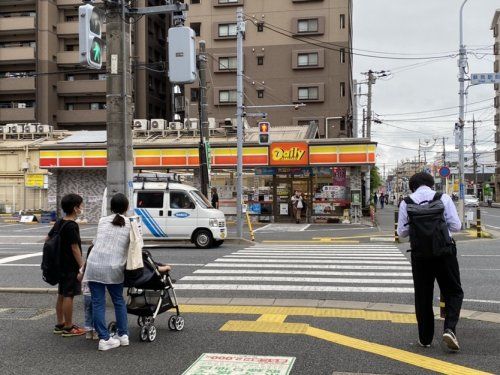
(200,199)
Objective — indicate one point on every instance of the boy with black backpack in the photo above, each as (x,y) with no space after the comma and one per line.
(428,218)
(70,262)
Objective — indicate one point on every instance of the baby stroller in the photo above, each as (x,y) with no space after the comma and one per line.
(151,294)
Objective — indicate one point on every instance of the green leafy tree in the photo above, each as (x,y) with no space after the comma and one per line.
(375,179)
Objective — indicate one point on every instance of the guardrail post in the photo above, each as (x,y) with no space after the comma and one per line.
(478,222)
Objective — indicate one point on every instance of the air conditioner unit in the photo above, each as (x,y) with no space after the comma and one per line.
(2,129)
(212,124)
(191,124)
(176,125)
(35,124)
(13,128)
(141,124)
(158,124)
(28,128)
(44,128)
(21,105)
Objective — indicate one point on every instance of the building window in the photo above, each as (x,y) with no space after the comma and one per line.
(93,76)
(260,60)
(94,106)
(227,63)
(227,96)
(227,30)
(260,27)
(195,1)
(70,77)
(308,93)
(196,26)
(102,76)
(70,107)
(195,94)
(227,1)
(307,59)
(342,55)
(308,26)
(342,89)
(260,94)
(342,21)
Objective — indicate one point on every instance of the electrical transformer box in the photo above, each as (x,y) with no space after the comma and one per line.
(181,55)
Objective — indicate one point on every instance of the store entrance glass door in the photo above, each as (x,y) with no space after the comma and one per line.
(284,189)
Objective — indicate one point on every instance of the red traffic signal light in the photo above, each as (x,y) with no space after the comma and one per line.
(264,127)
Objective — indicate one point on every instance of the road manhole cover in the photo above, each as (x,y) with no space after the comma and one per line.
(24,313)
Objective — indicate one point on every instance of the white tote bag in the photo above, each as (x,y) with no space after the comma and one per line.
(135,264)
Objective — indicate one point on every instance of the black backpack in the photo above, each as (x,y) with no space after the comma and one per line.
(51,255)
(429,234)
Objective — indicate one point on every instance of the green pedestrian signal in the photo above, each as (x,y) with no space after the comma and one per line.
(91,48)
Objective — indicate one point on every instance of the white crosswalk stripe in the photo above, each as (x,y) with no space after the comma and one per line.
(329,268)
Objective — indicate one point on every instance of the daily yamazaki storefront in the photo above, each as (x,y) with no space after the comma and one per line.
(329,174)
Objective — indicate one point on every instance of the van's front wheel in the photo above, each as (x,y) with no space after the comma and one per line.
(203,239)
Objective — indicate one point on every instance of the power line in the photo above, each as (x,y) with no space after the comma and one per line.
(431,110)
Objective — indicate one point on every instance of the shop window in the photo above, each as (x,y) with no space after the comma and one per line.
(150,199)
(227,63)
(180,200)
(260,60)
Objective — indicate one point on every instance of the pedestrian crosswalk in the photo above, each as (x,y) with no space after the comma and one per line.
(361,268)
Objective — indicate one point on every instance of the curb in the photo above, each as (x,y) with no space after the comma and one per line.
(483,316)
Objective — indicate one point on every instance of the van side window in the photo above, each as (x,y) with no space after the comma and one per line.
(180,200)
(150,199)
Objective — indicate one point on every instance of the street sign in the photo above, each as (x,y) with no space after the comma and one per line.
(484,78)
(444,172)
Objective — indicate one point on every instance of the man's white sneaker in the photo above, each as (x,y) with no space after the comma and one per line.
(450,340)
(123,340)
(110,343)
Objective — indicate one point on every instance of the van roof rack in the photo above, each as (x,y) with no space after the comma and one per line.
(157,177)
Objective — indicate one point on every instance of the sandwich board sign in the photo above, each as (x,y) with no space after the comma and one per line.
(218,364)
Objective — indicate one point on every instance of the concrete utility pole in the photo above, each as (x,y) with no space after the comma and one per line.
(462,65)
(240,29)
(355,127)
(371,81)
(203,121)
(119,102)
(364,124)
(444,152)
(474,152)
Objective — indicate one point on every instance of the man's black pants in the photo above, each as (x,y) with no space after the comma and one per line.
(445,271)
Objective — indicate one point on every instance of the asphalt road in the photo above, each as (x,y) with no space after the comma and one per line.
(291,264)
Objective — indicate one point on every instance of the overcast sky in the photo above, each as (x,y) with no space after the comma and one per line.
(423,28)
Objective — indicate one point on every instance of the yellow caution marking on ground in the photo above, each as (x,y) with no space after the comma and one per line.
(272,318)
(316,312)
(351,342)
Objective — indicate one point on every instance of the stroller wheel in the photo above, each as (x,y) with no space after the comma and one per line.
(171,322)
(151,330)
(179,323)
(140,321)
(112,328)
(144,333)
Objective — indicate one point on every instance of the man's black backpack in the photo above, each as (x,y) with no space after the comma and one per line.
(429,234)
(51,255)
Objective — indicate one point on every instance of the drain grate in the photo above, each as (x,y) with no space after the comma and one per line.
(24,313)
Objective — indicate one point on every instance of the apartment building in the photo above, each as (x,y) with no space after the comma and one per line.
(295,51)
(495,26)
(40,76)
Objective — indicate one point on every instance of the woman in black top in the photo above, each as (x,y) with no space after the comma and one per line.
(215,198)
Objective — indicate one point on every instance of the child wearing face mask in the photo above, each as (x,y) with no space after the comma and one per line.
(71,263)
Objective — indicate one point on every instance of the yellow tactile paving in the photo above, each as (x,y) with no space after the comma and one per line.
(301,311)
(273,318)
(366,346)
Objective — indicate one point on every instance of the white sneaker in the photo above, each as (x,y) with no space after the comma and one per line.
(123,340)
(110,343)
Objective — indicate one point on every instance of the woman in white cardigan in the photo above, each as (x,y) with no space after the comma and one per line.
(105,269)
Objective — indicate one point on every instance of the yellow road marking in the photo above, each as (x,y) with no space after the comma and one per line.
(272,318)
(366,346)
(301,311)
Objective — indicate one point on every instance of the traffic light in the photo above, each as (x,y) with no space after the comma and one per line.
(264,132)
(90,22)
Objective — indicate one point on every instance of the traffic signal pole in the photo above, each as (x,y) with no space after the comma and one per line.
(119,102)
(203,120)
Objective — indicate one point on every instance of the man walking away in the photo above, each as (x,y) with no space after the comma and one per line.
(375,199)
(428,218)
(215,198)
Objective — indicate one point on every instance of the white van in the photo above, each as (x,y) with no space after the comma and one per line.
(170,210)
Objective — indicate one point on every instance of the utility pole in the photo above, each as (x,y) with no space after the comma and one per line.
(203,121)
(371,81)
(355,110)
(444,152)
(419,156)
(119,102)
(364,124)
(474,152)
(462,65)
(240,30)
